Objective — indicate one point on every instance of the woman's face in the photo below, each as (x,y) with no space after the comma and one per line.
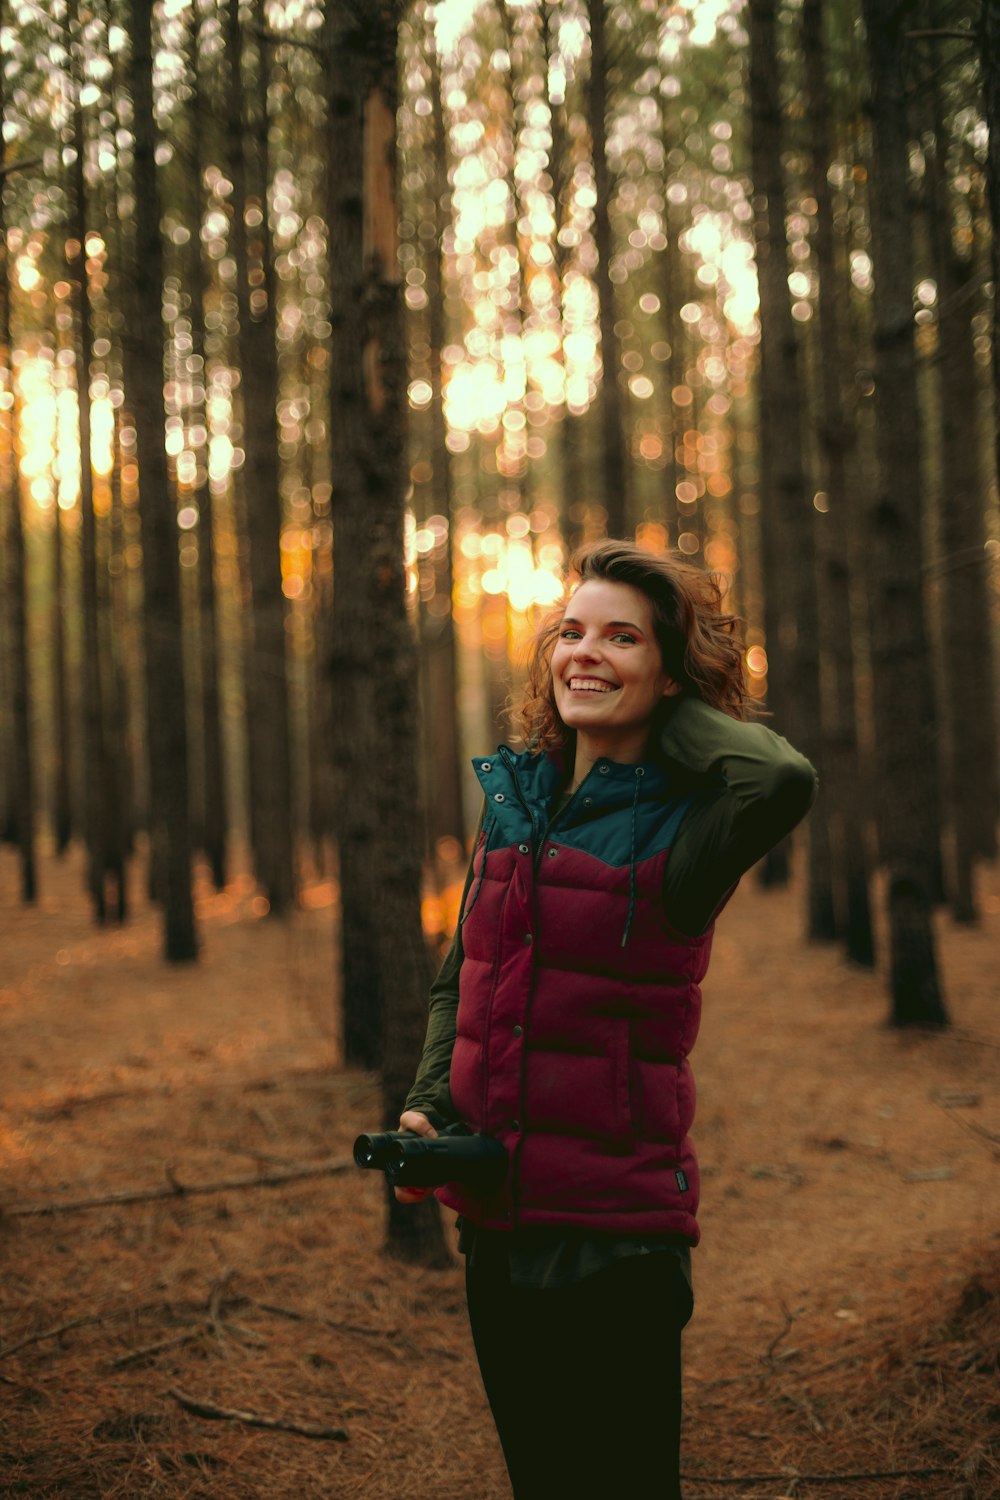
(607,671)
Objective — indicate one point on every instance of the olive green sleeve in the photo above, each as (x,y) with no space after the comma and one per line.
(750,789)
(431,1094)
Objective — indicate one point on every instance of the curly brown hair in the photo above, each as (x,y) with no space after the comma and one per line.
(701,646)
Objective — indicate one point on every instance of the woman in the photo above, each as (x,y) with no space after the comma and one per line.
(564,1013)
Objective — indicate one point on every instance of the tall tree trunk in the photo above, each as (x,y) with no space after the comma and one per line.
(969,711)
(787,515)
(402,952)
(444,783)
(62,806)
(112,613)
(989,34)
(96,775)
(321,730)
(214,831)
(565,436)
(838,708)
(615,475)
(348,662)
(267,686)
(514,466)
(902,682)
(116,612)
(670,278)
(143,351)
(20,788)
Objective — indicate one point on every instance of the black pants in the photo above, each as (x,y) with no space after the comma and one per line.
(585,1381)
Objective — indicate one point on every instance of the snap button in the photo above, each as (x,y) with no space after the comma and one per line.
(515,1125)
(499,797)
(639,771)
(528,937)
(588,801)
(553,853)
(517,1030)
(522,849)
(487,765)
(604,768)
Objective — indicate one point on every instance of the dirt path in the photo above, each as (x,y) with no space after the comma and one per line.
(849,1214)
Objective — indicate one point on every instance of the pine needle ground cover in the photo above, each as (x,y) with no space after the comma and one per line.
(220,1320)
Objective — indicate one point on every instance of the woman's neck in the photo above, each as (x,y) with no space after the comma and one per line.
(626,751)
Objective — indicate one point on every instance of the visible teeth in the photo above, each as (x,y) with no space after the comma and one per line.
(590,685)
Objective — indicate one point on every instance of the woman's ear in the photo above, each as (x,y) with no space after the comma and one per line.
(672,688)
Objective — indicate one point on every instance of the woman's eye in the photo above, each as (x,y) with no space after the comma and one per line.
(623,635)
(568,634)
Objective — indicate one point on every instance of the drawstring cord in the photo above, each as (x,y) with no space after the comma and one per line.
(488,832)
(639,774)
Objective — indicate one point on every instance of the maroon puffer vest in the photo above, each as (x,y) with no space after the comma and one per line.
(579,1004)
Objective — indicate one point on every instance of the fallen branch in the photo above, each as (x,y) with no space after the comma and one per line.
(59,1109)
(209,1409)
(960,1034)
(248,1335)
(301,1317)
(792,1476)
(150,1350)
(50,1333)
(175,1189)
(768,1360)
(91,1318)
(973,1128)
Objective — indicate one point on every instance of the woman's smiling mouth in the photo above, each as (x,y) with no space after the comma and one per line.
(591,685)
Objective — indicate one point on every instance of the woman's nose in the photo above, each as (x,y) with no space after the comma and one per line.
(587,648)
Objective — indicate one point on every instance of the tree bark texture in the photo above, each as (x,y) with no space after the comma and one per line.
(116,609)
(968,720)
(214,830)
(565,441)
(266,675)
(391,780)
(354,695)
(990,63)
(113,616)
(62,806)
(670,284)
(20,787)
(838,714)
(517,474)
(142,343)
(97,791)
(902,686)
(615,477)
(787,514)
(444,762)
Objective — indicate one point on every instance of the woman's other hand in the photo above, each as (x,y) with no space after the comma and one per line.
(411,1119)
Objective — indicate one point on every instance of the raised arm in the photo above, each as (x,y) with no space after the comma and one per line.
(750,789)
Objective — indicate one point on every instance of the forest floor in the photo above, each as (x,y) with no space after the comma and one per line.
(845,1340)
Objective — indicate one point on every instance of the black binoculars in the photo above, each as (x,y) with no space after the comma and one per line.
(455,1155)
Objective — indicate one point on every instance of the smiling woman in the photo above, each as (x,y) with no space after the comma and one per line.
(607,674)
(564,1015)
(681,609)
